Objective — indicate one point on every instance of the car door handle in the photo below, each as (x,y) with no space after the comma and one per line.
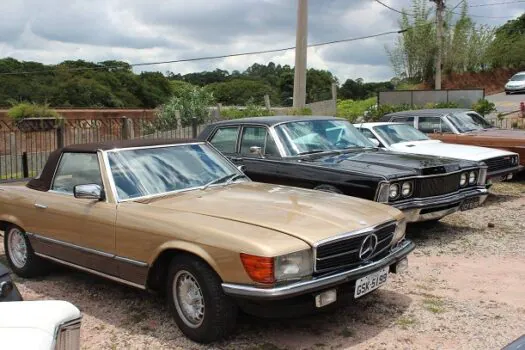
(40,206)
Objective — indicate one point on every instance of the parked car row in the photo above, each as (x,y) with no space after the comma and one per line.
(270,215)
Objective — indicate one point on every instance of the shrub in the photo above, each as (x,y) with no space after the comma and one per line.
(251,110)
(191,103)
(25,110)
(299,111)
(351,109)
(484,107)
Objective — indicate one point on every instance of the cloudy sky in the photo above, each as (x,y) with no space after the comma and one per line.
(156,30)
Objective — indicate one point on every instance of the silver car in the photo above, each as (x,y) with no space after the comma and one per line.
(516,83)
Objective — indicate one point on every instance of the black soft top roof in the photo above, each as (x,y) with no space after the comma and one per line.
(43,182)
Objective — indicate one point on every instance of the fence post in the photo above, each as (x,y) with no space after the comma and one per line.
(334,92)
(267,102)
(194,127)
(178,120)
(128,132)
(25,165)
(60,133)
(219,107)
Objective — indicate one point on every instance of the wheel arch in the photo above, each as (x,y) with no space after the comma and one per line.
(160,263)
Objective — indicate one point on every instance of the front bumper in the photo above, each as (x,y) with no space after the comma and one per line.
(398,253)
(437,207)
(503,174)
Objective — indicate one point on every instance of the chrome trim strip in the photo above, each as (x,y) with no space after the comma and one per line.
(153,146)
(85,269)
(440,200)
(303,287)
(88,250)
(348,252)
(72,325)
(355,233)
(131,261)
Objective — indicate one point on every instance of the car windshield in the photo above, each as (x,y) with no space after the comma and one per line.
(396,133)
(518,77)
(154,171)
(315,136)
(468,121)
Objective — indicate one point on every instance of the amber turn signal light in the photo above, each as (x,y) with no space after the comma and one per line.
(259,268)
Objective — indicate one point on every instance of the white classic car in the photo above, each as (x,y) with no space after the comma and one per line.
(405,138)
(39,325)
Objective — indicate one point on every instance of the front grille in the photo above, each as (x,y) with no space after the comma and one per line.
(438,185)
(345,252)
(499,163)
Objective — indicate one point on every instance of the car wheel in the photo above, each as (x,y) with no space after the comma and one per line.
(20,255)
(201,309)
(328,188)
(507,93)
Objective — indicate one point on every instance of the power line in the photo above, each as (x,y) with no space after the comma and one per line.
(480,16)
(457,5)
(498,3)
(142,64)
(393,9)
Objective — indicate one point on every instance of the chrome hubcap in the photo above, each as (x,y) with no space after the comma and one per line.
(17,248)
(188,298)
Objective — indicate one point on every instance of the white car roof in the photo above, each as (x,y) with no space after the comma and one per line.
(371,125)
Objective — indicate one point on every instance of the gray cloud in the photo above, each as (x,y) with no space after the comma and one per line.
(157,30)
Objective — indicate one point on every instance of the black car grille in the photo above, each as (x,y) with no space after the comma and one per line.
(499,163)
(345,252)
(438,185)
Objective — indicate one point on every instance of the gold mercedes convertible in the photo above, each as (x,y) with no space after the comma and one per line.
(180,218)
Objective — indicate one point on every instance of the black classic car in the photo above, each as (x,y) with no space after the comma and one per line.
(8,290)
(330,154)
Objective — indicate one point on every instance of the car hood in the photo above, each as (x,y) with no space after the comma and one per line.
(32,324)
(388,164)
(305,214)
(442,149)
(510,135)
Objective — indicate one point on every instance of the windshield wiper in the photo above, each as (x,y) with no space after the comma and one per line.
(311,152)
(229,177)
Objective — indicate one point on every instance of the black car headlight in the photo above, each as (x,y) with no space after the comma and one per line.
(463,179)
(393,191)
(472,178)
(407,188)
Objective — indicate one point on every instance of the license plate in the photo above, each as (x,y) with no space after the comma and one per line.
(470,203)
(368,283)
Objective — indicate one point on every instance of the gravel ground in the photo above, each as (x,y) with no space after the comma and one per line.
(464,290)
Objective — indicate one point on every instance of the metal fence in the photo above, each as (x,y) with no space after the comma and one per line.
(464,98)
(24,150)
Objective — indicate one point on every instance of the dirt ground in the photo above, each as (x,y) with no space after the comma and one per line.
(464,289)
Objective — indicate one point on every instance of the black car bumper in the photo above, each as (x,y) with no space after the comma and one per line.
(500,175)
(437,207)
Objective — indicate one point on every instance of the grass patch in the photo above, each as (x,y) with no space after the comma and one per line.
(434,304)
(406,321)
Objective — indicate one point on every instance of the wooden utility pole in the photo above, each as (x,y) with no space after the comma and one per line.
(301,45)
(440,7)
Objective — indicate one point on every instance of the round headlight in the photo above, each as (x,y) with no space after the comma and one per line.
(463,180)
(393,191)
(472,177)
(406,189)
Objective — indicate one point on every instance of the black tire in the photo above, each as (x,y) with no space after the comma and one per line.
(31,265)
(219,310)
(328,188)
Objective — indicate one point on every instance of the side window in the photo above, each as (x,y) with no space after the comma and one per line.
(404,120)
(367,133)
(431,125)
(76,169)
(258,136)
(225,139)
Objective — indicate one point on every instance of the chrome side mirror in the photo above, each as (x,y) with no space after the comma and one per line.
(241,168)
(256,150)
(90,191)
